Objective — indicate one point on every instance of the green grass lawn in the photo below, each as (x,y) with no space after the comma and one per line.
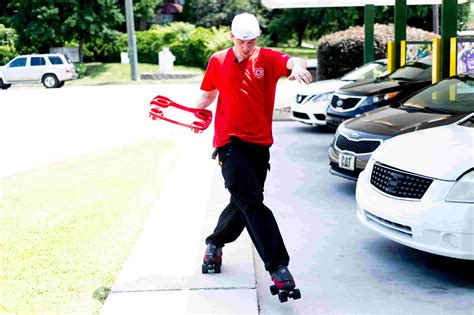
(66,229)
(115,73)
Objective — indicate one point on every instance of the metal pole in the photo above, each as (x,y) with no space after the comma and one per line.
(436,18)
(369,17)
(400,28)
(132,43)
(449,15)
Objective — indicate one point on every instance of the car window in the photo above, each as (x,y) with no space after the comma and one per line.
(452,95)
(55,60)
(368,71)
(419,70)
(19,62)
(37,61)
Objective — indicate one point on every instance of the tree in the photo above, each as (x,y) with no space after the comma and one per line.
(54,22)
(89,20)
(207,13)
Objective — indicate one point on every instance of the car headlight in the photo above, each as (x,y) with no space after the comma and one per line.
(463,189)
(325,97)
(370,100)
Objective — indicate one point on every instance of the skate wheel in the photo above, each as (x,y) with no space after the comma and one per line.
(296,294)
(217,269)
(205,269)
(283,296)
(274,290)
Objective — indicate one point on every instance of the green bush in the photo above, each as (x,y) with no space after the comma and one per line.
(191,45)
(340,52)
(107,48)
(7,44)
(7,53)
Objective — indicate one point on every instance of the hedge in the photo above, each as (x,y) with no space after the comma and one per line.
(191,45)
(340,52)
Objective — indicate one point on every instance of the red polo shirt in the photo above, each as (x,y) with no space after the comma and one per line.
(246,94)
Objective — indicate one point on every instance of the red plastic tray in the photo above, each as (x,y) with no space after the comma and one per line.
(162,108)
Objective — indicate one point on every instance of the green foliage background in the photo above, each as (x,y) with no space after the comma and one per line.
(97,27)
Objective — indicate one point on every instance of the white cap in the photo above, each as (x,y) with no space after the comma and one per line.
(245,26)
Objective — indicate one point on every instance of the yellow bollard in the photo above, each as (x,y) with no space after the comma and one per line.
(391,56)
(403,53)
(453,56)
(436,73)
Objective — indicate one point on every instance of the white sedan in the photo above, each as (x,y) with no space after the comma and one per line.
(311,101)
(418,190)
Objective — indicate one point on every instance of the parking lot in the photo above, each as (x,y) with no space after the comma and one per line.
(340,266)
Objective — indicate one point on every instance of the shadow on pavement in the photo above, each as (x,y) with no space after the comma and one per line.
(422,269)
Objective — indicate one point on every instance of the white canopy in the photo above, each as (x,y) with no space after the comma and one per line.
(275,4)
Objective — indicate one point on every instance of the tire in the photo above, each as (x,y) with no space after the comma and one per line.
(4,86)
(61,84)
(50,81)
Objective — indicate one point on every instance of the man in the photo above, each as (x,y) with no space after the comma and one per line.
(245,77)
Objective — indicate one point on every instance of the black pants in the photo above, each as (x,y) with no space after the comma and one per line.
(244,168)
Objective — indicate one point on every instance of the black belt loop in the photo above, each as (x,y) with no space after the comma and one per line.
(214,154)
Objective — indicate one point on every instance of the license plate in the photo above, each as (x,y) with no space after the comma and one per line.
(335,121)
(346,161)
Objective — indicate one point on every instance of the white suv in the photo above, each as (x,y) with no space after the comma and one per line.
(50,69)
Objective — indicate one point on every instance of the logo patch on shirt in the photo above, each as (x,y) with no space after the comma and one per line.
(258,72)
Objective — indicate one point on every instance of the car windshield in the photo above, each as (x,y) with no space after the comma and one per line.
(419,70)
(368,71)
(454,95)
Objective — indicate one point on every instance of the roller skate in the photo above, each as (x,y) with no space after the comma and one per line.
(212,259)
(284,285)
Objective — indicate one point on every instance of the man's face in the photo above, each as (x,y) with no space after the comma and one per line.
(244,47)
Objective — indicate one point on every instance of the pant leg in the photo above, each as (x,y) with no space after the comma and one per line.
(244,173)
(229,226)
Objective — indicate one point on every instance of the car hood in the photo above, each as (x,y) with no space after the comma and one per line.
(443,152)
(390,121)
(374,86)
(321,87)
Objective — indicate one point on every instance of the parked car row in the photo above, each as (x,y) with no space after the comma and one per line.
(53,70)
(410,146)
(312,101)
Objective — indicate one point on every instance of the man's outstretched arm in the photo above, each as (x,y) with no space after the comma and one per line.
(206,98)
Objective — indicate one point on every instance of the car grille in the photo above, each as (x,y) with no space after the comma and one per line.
(358,147)
(300,98)
(399,183)
(344,103)
(300,115)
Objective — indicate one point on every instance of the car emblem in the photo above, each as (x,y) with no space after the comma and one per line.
(392,183)
(355,135)
(339,103)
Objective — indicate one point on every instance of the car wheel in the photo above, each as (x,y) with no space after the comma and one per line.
(61,84)
(4,86)
(50,81)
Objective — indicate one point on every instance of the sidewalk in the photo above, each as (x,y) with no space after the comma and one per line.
(163,272)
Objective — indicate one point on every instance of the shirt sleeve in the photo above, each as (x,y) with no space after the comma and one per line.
(280,60)
(208,80)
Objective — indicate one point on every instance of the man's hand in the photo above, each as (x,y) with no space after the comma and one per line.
(298,70)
